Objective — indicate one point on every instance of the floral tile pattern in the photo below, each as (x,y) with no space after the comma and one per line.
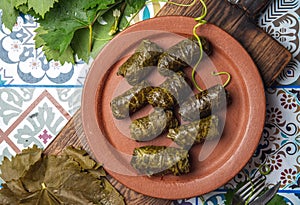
(37,98)
(22,64)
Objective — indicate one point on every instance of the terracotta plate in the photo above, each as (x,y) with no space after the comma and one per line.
(213,163)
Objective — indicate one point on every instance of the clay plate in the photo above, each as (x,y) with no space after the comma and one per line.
(244,118)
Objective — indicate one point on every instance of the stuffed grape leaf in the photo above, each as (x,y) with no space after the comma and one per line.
(70,178)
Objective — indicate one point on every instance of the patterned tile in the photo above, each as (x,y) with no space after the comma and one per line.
(68,98)
(22,64)
(282,21)
(13,102)
(44,116)
(5,151)
(40,126)
(187,201)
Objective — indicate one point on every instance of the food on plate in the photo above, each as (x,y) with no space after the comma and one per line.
(152,125)
(141,62)
(160,160)
(130,101)
(183,54)
(195,132)
(171,92)
(204,103)
(169,98)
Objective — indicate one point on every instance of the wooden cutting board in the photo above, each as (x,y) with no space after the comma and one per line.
(238,20)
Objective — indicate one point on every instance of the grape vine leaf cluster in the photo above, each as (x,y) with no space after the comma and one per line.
(71,29)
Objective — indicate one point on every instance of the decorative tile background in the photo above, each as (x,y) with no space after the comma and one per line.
(282,21)
(37,98)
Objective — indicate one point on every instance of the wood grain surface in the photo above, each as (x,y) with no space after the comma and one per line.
(72,134)
(269,56)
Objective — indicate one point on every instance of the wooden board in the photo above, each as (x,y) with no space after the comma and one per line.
(269,56)
(72,134)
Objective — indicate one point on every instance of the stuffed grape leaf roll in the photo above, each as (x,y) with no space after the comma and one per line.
(172,91)
(204,103)
(151,126)
(130,101)
(160,160)
(141,62)
(189,134)
(183,54)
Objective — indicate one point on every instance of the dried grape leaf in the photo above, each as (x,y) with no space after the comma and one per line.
(70,178)
(16,167)
(7,197)
(110,194)
(80,156)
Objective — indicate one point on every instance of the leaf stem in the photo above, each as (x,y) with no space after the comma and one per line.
(223,73)
(43,186)
(90,37)
(117,14)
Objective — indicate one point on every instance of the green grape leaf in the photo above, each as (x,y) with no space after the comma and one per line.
(128,11)
(100,4)
(18,3)
(41,7)
(101,32)
(72,29)
(136,4)
(67,56)
(9,13)
(228,196)
(81,44)
(62,22)
(277,200)
(100,29)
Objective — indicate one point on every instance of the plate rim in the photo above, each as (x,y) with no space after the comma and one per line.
(184,23)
